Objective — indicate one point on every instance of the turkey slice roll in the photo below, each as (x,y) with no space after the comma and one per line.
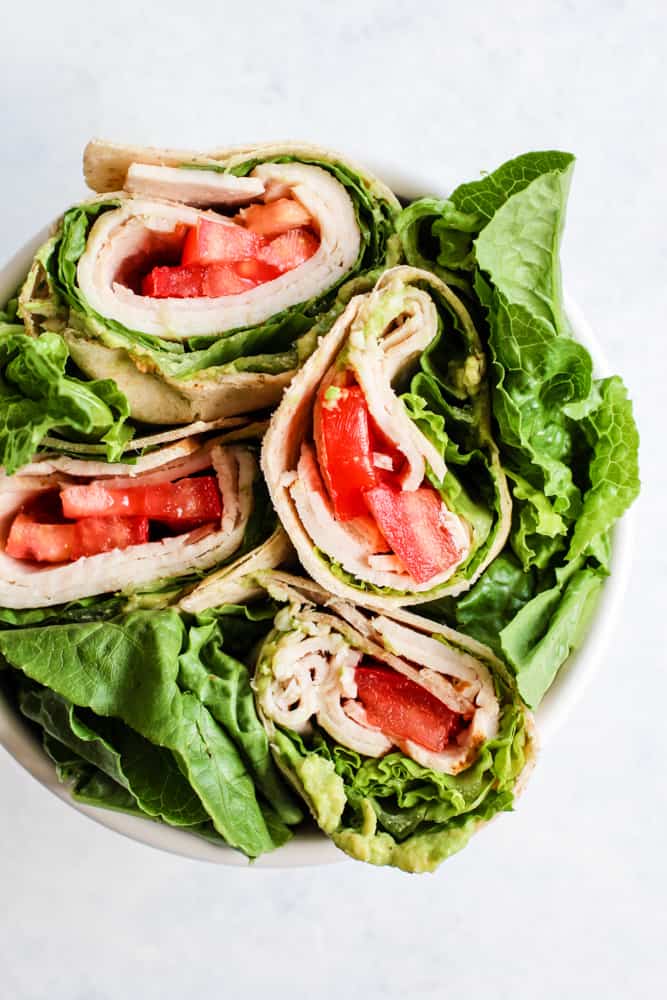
(380,460)
(200,282)
(403,736)
(154,526)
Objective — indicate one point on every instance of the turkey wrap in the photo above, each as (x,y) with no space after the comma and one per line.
(76,530)
(380,459)
(199,283)
(402,736)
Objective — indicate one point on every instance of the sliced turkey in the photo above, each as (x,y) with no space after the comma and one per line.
(193,187)
(306,675)
(25,584)
(141,224)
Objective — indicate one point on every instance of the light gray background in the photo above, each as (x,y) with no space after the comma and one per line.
(566,897)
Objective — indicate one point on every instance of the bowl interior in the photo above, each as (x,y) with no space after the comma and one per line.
(309,847)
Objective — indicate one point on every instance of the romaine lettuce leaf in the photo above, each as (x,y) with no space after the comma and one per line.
(490,604)
(136,670)
(537,529)
(541,636)
(438,234)
(148,772)
(37,395)
(92,787)
(568,442)
(613,473)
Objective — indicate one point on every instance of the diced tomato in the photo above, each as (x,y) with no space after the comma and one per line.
(404,710)
(173,282)
(211,242)
(353,454)
(255,270)
(193,500)
(222,279)
(289,250)
(274,218)
(344,449)
(212,281)
(412,523)
(56,543)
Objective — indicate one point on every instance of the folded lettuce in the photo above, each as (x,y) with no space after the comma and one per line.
(38,395)
(567,440)
(152,712)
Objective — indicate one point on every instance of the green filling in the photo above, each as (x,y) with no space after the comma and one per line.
(391,810)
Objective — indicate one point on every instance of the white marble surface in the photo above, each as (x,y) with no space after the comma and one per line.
(566,897)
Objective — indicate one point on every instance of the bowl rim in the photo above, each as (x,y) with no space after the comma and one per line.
(309,847)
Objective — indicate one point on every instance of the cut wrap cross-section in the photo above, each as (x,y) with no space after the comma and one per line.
(26,584)
(138,283)
(432,507)
(351,698)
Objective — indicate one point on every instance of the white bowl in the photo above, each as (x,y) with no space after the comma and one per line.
(309,847)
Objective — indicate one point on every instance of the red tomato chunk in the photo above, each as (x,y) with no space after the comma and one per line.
(412,524)
(173,282)
(255,270)
(223,279)
(361,471)
(224,257)
(212,242)
(194,499)
(275,217)
(56,543)
(345,449)
(289,250)
(404,710)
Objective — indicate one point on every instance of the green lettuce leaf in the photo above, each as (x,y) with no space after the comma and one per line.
(149,773)
(537,529)
(223,686)
(613,473)
(37,395)
(394,811)
(439,234)
(92,787)
(568,442)
(491,603)
(541,636)
(135,669)
(86,610)
(86,782)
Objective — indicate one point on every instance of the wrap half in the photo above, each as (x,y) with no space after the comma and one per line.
(403,736)
(380,460)
(200,282)
(150,528)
